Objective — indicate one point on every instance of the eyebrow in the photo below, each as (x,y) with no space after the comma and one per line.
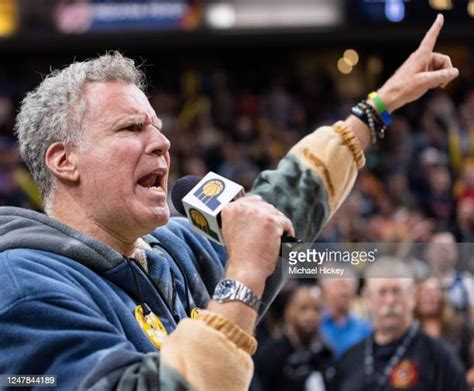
(137,118)
(131,119)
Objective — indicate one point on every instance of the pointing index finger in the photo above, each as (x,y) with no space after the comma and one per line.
(429,41)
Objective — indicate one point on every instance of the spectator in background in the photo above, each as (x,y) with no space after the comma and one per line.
(465,220)
(438,201)
(466,114)
(399,355)
(442,256)
(7,115)
(464,187)
(397,187)
(277,104)
(339,327)
(424,160)
(16,185)
(464,192)
(438,319)
(296,360)
(348,222)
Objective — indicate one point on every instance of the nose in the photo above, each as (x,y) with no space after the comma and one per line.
(390,298)
(158,143)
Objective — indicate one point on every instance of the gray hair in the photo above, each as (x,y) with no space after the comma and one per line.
(390,267)
(54,111)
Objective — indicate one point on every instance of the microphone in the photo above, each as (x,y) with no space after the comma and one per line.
(182,187)
(201,201)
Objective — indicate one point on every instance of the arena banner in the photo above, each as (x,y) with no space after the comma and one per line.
(104,15)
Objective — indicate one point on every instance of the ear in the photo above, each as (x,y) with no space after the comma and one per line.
(61,161)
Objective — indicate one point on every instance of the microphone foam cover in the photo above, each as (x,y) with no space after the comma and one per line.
(182,187)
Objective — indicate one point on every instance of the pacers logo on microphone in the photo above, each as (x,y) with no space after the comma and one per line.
(209,191)
(205,200)
(199,220)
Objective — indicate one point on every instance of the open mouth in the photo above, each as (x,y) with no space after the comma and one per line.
(151,181)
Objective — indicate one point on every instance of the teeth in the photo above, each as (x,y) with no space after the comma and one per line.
(150,181)
(156,188)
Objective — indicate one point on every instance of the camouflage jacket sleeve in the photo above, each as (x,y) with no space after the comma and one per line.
(309,185)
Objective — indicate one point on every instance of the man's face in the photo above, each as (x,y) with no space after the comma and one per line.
(441,253)
(339,293)
(304,311)
(123,161)
(391,303)
(429,297)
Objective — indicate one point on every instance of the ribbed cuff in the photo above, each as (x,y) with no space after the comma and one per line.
(233,332)
(351,141)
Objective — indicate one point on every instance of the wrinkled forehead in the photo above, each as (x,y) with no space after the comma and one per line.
(107,102)
(377,284)
(431,284)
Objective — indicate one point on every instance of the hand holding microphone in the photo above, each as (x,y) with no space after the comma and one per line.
(202,201)
(251,229)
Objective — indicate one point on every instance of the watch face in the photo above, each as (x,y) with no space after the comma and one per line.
(225,289)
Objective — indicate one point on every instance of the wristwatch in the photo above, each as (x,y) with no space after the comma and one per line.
(232,290)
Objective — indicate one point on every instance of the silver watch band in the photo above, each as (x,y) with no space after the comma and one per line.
(232,290)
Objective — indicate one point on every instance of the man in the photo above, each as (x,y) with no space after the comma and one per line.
(339,327)
(442,256)
(297,359)
(398,355)
(95,293)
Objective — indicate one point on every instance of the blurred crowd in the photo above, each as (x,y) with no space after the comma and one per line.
(417,186)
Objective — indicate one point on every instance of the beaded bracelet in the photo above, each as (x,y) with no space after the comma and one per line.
(379,122)
(367,114)
(372,113)
(360,113)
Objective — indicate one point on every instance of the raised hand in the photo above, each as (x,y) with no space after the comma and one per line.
(422,71)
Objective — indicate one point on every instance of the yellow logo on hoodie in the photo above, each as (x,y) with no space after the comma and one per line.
(151,325)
